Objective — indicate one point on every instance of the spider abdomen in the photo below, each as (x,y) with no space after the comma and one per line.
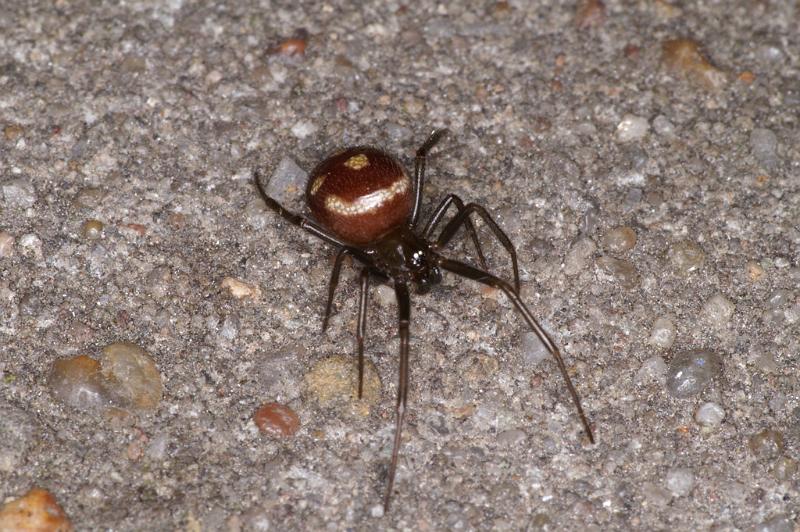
(359,194)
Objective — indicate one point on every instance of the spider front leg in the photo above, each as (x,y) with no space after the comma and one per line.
(470,272)
(438,214)
(419,172)
(462,217)
(404,318)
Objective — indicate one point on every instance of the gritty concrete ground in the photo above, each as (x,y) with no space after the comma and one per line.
(150,118)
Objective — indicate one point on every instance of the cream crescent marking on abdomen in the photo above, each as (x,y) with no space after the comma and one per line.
(317,183)
(368,202)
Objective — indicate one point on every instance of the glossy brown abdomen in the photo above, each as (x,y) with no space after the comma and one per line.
(359,194)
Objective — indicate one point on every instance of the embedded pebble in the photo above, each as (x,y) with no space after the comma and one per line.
(12,132)
(680,481)
(18,193)
(37,510)
(230,328)
(767,443)
(334,380)
(590,13)
(717,311)
(652,369)
(685,57)
(784,468)
(240,289)
(17,428)
(511,437)
(662,334)
(755,271)
(275,419)
(92,229)
(384,295)
(663,127)
(126,377)
(619,240)
(287,179)
(533,350)
(77,382)
(764,144)
(131,376)
(655,494)
(632,128)
(31,245)
(6,245)
(686,257)
(690,372)
(578,255)
(623,271)
(89,197)
(303,129)
(709,415)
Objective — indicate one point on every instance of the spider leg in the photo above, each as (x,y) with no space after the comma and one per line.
(333,283)
(362,327)
(293,218)
(462,217)
(404,315)
(465,270)
(419,172)
(438,214)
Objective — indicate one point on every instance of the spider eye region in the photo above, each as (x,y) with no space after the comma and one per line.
(359,194)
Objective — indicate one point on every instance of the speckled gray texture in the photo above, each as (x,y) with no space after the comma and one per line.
(151,117)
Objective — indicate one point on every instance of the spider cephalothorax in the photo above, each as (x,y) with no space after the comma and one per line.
(364,203)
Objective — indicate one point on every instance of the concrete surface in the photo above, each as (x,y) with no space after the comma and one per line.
(151,117)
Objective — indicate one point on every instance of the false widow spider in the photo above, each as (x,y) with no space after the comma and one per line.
(363,203)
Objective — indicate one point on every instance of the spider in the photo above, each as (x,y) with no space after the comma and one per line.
(363,203)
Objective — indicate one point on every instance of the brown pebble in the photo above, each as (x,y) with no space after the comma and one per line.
(240,289)
(139,229)
(334,380)
(293,46)
(36,511)
(747,77)
(131,374)
(685,57)
(767,443)
(13,131)
(590,13)
(92,229)
(619,239)
(77,382)
(276,419)
(755,271)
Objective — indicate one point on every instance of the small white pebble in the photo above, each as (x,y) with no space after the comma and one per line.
(578,255)
(303,129)
(533,350)
(385,295)
(632,128)
(376,511)
(6,245)
(680,481)
(718,310)
(31,245)
(709,415)
(663,333)
(652,369)
(663,126)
